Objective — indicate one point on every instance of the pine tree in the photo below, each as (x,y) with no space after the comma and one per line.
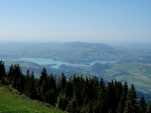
(69,90)
(142,105)
(125,90)
(102,84)
(72,106)
(131,104)
(62,102)
(27,85)
(149,109)
(51,94)
(16,77)
(121,105)
(2,70)
(10,74)
(33,87)
(3,76)
(43,87)
(61,82)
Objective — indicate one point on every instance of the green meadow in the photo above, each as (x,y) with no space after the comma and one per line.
(13,102)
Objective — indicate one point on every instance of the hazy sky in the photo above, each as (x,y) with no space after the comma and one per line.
(75,20)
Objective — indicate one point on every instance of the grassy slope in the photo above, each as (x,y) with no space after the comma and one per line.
(11,102)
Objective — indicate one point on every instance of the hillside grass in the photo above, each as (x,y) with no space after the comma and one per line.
(12,102)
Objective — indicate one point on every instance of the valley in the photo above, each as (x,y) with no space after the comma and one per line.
(101,60)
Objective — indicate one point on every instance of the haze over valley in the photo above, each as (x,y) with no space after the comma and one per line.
(103,60)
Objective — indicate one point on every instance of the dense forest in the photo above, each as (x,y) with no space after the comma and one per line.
(77,93)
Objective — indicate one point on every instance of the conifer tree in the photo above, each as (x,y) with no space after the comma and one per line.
(17,78)
(142,105)
(43,84)
(131,103)
(62,102)
(72,106)
(3,73)
(149,109)
(2,69)
(10,74)
(121,105)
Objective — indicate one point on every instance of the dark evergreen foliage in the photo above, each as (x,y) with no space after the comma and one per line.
(76,94)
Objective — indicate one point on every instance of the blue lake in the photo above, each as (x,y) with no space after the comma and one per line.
(56,63)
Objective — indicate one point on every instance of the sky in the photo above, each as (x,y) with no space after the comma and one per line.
(75,20)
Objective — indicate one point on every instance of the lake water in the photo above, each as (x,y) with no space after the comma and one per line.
(47,61)
(57,64)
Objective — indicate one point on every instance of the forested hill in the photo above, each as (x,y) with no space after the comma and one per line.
(77,94)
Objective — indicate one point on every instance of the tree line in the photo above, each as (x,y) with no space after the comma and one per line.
(77,93)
